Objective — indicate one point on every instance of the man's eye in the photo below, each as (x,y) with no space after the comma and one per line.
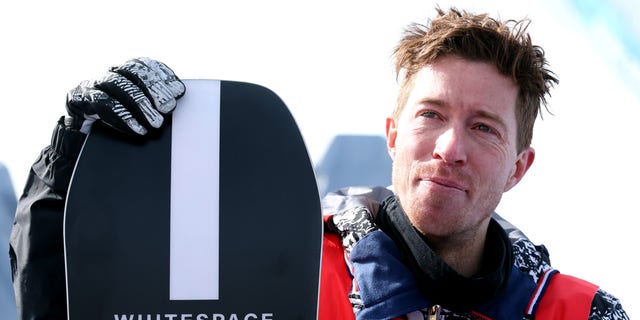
(485,128)
(430,114)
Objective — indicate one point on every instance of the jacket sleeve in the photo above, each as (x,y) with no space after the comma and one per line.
(335,281)
(606,307)
(36,244)
(568,297)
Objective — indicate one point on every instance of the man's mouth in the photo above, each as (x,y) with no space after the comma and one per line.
(445,182)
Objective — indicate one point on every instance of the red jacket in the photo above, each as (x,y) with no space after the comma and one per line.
(565,297)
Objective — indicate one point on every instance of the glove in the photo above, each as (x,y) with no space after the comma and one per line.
(132,98)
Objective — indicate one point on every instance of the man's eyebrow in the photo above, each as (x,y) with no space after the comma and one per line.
(492,116)
(433,101)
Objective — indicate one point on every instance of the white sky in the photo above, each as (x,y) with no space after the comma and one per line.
(330,62)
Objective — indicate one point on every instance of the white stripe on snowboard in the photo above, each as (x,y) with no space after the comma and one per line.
(195,145)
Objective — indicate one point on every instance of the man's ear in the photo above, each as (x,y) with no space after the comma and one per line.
(392,132)
(522,165)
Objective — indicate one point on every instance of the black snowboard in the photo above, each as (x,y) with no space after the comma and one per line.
(232,231)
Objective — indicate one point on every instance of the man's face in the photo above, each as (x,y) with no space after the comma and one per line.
(454,147)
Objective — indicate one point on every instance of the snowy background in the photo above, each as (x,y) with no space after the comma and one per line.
(330,62)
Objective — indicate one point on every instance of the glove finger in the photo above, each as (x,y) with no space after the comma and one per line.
(131,98)
(155,79)
(110,111)
(80,109)
(167,75)
(78,101)
(149,82)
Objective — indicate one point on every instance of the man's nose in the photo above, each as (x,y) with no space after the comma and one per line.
(451,147)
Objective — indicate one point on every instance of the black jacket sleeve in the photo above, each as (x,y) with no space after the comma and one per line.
(36,243)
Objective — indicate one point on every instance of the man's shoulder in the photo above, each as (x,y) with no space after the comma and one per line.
(369,197)
(530,258)
(567,296)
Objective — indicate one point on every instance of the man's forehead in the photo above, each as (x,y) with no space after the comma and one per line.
(460,81)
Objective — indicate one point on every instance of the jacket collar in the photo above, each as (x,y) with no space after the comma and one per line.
(437,280)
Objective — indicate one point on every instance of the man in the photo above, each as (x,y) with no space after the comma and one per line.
(459,139)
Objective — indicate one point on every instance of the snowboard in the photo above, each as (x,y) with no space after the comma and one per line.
(215,216)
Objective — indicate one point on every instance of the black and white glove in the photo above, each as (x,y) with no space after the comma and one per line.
(132,97)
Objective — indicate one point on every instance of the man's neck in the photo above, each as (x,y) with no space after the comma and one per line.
(463,253)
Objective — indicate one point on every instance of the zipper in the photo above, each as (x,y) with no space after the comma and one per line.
(434,313)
